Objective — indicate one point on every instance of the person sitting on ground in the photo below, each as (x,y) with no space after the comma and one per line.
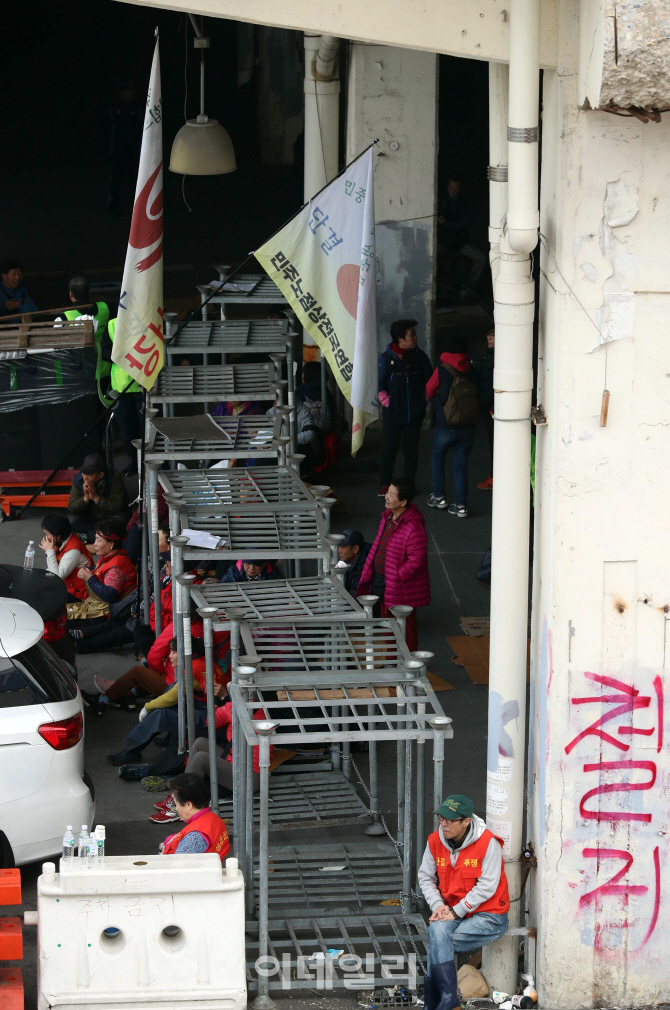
(159,673)
(113,578)
(145,634)
(463,880)
(354,551)
(66,554)
(97,493)
(396,569)
(203,830)
(252,571)
(161,715)
(14,296)
(133,531)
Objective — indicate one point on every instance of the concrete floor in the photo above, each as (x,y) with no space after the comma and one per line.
(455,550)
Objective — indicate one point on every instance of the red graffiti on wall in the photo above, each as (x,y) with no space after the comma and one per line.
(611,900)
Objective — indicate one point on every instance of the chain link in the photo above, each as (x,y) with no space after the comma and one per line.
(398,846)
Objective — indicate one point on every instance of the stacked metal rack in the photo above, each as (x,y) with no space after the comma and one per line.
(214,341)
(312,670)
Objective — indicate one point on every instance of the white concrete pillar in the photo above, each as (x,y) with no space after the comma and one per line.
(392,94)
(598,760)
(322,112)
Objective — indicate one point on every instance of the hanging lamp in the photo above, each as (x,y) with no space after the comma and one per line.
(202,146)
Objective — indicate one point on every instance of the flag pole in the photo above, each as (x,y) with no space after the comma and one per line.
(191,312)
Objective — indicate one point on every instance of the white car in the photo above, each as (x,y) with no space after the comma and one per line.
(43,787)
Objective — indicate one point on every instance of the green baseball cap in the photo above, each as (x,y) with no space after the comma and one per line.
(456,806)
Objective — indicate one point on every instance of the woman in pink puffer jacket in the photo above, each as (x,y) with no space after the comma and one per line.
(396,568)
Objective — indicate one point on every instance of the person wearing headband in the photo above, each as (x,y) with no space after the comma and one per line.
(112,579)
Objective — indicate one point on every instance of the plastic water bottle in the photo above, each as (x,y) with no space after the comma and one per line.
(29,556)
(82,851)
(68,844)
(100,839)
(92,850)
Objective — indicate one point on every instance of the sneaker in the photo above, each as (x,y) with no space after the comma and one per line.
(92,702)
(125,757)
(128,704)
(165,816)
(486,485)
(382,491)
(458,510)
(102,684)
(437,503)
(133,773)
(166,804)
(155,784)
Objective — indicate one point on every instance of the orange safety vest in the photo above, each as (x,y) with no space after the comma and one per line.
(118,559)
(73,583)
(208,824)
(456,881)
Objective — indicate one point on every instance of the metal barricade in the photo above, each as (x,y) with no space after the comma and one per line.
(385,705)
(264,292)
(211,383)
(216,438)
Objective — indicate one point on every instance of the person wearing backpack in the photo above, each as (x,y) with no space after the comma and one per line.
(454,386)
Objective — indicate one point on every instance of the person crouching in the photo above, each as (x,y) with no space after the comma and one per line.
(203,830)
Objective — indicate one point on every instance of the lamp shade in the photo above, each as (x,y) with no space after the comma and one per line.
(202,147)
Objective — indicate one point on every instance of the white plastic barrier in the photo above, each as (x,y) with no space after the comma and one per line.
(145,932)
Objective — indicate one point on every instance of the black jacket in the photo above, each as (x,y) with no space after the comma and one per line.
(404,379)
(352,576)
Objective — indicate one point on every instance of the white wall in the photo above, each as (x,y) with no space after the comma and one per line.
(599,808)
(392,95)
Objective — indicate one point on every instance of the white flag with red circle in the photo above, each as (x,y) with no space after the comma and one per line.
(138,340)
(323,261)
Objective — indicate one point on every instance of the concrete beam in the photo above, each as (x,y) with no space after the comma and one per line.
(624,54)
(478,29)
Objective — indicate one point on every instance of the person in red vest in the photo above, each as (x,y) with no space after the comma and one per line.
(66,554)
(203,830)
(463,880)
(112,579)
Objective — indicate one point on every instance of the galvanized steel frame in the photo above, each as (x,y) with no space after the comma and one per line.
(216,382)
(316,597)
(240,486)
(292,941)
(236,434)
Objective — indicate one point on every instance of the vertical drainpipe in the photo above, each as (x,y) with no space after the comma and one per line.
(322,108)
(514,300)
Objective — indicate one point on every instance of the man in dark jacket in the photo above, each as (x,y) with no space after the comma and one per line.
(252,571)
(403,371)
(460,438)
(353,550)
(97,492)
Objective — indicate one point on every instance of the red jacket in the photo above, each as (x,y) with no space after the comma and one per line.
(224,717)
(406,572)
(158,658)
(166,608)
(163,511)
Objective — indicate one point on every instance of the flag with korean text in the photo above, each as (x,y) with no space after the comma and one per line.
(138,340)
(323,261)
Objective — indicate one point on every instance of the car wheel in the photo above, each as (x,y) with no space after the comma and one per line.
(6,854)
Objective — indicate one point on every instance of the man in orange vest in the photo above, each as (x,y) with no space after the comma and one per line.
(203,831)
(462,877)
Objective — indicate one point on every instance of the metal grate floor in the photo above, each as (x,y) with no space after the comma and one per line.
(376,952)
(313,800)
(318,596)
(342,879)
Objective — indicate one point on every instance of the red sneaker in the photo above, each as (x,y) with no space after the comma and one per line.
(164,816)
(486,485)
(382,491)
(166,804)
